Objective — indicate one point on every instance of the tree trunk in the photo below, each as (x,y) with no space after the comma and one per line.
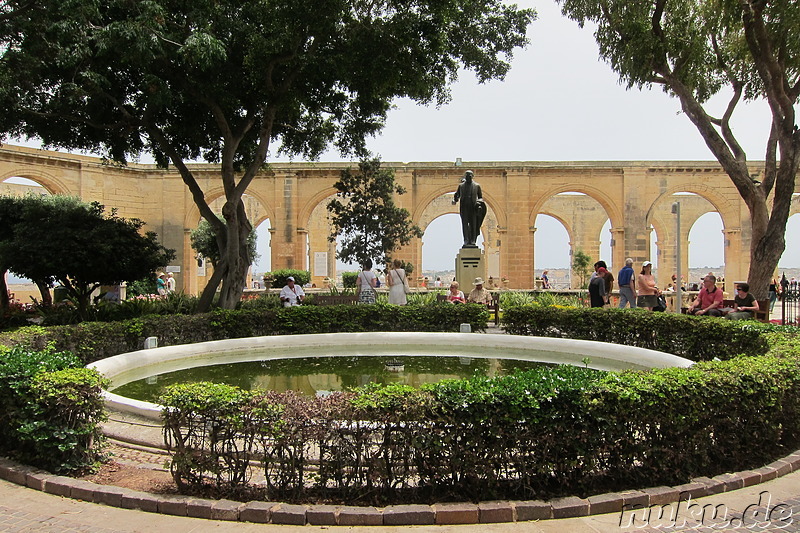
(234,262)
(4,300)
(44,290)
(207,298)
(236,255)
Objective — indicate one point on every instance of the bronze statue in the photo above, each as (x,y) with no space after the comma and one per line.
(472,209)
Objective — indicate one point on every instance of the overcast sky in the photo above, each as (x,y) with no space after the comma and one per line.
(560,103)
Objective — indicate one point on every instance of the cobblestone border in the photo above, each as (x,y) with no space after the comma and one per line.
(393,515)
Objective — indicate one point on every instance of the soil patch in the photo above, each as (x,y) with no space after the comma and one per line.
(133,477)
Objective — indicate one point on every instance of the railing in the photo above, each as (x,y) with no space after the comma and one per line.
(790,303)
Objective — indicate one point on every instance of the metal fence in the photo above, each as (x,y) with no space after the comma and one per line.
(790,302)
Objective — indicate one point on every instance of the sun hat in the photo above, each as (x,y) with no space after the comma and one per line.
(478,281)
(290,278)
(646,263)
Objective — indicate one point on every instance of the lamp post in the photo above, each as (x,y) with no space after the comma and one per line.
(676,210)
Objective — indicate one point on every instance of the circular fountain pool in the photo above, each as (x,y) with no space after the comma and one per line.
(142,364)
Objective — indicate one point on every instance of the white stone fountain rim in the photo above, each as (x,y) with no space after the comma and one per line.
(601,355)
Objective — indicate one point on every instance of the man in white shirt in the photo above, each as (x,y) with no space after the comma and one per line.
(292,294)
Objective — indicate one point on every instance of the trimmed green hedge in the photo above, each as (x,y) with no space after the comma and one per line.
(93,341)
(52,409)
(539,434)
(695,338)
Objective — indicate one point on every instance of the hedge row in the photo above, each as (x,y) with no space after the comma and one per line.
(93,341)
(695,338)
(538,434)
(52,408)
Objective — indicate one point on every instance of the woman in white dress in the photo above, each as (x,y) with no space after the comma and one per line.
(397,288)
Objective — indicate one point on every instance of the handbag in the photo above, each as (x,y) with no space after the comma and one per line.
(662,304)
(406,288)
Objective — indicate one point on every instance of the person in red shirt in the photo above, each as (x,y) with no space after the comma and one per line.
(709,299)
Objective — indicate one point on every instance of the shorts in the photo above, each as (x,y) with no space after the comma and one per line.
(647,300)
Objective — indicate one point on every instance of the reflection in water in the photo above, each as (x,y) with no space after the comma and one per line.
(320,375)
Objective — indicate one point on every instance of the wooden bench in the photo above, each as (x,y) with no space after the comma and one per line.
(494,307)
(761,315)
(335,299)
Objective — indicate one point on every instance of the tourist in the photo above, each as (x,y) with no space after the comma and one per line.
(366,283)
(597,288)
(396,279)
(545,280)
(161,283)
(479,295)
(709,300)
(626,279)
(170,283)
(774,288)
(455,296)
(648,291)
(744,304)
(608,277)
(292,294)
(438,282)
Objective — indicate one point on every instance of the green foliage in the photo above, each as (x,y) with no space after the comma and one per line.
(52,409)
(349,280)
(225,80)
(581,266)
(148,304)
(365,217)
(510,299)
(59,238)
(204,240)
(264,301)
(695,338)
(301,277)
(738,51)
(142,287)
(92,341)
(549,432)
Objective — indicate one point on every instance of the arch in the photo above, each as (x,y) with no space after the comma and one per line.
(193,212)
(305,213)
(720,241)
(422,203)
(51,183)
(720,203)
(791,254)
(559,218)
(570,239)
(612,210)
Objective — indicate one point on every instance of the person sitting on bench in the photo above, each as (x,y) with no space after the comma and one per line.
(709,299)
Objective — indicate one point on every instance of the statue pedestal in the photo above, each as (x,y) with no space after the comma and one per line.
(470,264)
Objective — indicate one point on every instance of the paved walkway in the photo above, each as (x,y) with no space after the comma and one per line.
(26,510)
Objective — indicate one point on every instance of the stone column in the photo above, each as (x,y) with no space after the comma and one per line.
(284,240)
(732,255)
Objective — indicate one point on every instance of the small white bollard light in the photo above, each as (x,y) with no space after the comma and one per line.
(150,342)
(466,328)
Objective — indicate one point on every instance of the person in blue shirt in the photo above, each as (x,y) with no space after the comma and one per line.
(627,285)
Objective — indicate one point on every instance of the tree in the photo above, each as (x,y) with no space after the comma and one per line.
(366,218)
(223,80)
(8,216)
(59,238)
(695,49)
(204,241)
(580,265)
